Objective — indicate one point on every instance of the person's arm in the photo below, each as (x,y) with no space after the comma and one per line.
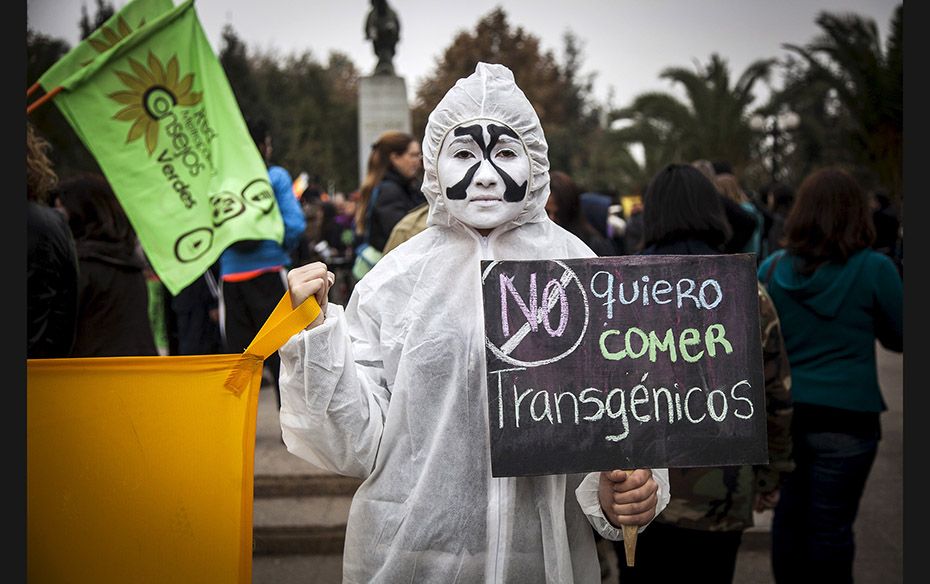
(295,222)
(334,394)
(889,304)
(610,499)
(52,275)
(371,29)
(778,407)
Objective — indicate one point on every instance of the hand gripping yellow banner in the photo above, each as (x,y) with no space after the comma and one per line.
(140,469)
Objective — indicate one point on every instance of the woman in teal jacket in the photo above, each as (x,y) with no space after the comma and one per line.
(835,297)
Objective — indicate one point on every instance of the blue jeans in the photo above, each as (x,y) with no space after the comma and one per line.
(812,527)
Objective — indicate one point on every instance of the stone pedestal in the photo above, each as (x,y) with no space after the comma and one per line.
(382,105)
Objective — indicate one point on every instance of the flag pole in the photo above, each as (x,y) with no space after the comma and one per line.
(47,97)
(32,89)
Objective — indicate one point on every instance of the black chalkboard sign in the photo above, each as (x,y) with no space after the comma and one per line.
(623,362)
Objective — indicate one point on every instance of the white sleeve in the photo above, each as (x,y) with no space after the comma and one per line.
(586,493)
(332,406)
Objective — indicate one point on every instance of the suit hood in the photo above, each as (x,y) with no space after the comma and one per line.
(490,93)
(824,291)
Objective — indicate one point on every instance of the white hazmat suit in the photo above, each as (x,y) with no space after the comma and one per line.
(393,390)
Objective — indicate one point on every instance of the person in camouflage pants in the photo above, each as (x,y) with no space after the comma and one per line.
(699,533)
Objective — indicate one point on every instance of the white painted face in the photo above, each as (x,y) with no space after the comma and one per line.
(484,173)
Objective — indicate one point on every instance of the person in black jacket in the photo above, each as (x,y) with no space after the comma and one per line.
(194,316)
(51,261)
(564,207)
(113,297)
(887,223)
(711,506)
(390,189)
(779,199)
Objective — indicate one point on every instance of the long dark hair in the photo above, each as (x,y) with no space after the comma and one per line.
(379,161)
(566,194)
(94,213)
(830,220)
(681,203)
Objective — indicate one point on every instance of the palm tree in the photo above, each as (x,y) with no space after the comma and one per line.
(713,124)
(855,88)
(611,165)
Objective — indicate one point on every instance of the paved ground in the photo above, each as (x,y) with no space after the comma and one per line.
(879,527)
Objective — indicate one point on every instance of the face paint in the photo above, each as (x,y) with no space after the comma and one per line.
(484,170)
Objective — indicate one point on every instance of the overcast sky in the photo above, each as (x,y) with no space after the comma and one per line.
(625,43)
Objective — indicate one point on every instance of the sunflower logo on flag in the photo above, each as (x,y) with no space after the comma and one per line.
(108,37)
(152,92)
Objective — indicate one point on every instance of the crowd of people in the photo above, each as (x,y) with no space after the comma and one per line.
(389,385)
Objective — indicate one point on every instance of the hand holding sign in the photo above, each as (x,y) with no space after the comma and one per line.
(636,362)
(628,499)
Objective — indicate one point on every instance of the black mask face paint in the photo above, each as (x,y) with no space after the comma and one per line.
(457,192)
(512,191)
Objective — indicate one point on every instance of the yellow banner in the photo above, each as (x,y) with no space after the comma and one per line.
(140,469)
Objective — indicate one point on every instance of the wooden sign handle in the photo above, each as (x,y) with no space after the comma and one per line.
(630,532)
(629,543)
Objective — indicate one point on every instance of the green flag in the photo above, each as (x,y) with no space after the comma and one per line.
(160,118)
(133,16)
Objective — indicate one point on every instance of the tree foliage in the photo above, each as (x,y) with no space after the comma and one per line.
(713,122)
(103,13)
(845,84)
(849,89)
(311,109)
(560,94)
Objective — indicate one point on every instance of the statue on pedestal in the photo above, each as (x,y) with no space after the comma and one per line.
(382,27)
